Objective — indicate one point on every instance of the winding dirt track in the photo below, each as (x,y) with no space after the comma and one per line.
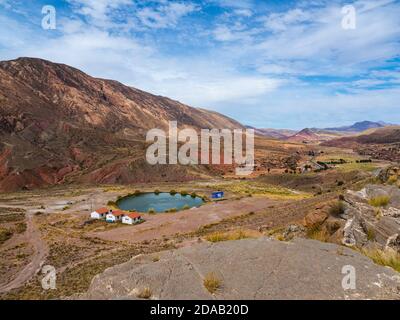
(40,252)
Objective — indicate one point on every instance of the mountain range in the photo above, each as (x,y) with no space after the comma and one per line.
(359,126)
(320,134)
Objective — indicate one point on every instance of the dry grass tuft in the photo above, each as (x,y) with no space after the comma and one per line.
(280,237)
(316,233)
(392,179)
(371,234)
(337,209)
(5,234)
(145,293)
(226,236)
(211,282)
(380,201)
(389,258)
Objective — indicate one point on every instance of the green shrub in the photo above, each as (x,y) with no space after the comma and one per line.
(186,207)
(379,201)
(184,193)
(193,195)
(157,192)
(172,192)
(151,211)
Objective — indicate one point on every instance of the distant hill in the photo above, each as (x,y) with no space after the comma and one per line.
(273,133)
(385,135)
(318,134)
(313,136)
(304,135)
(359,126)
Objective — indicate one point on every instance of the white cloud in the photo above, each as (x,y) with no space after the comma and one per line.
(98,10)
(166,15)
(236,32)
(229,88)
(328,49)
(243,12)
(281,21)
(234,3)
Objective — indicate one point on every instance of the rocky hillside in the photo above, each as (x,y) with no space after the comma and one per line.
(247,269)
(58,124)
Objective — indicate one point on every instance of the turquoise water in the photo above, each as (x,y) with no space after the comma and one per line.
(159,202)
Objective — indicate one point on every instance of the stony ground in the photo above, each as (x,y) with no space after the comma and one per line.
(248,269)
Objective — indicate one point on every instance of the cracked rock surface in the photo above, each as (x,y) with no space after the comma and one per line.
(248,269)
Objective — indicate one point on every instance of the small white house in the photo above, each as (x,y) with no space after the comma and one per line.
(115,216)
(100,213)
(131,218)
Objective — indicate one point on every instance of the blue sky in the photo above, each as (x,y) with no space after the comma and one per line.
(280,64)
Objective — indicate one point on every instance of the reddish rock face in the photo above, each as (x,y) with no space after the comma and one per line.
(58,124)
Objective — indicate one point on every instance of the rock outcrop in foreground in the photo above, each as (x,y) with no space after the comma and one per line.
(367,225)
(248,269)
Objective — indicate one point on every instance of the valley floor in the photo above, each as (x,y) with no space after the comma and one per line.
(52,226)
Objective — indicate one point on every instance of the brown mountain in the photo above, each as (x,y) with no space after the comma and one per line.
(58,125)
(313,136)
(305,135)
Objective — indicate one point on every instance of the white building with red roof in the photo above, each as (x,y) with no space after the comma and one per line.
(115,216)
(131,218)
(100,213)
